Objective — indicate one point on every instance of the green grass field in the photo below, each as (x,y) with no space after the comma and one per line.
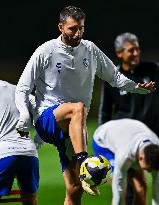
(52,189)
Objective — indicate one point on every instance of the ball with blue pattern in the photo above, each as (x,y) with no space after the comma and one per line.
(95,170)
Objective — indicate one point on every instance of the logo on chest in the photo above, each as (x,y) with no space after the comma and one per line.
(58,66)
(85,62)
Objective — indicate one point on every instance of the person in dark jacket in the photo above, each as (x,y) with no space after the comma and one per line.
(117,104)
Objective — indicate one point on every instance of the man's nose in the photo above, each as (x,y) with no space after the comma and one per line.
(136,52)
(77,34)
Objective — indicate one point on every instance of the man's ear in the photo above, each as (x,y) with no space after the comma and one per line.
(60,27)
(141,156)
(118,53)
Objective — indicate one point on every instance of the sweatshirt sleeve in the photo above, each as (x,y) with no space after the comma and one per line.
(24,88)
(107,71)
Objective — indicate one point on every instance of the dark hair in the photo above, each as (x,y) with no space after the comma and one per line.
(73,12)
(151,153)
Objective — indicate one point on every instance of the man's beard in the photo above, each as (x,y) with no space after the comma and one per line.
(71,41)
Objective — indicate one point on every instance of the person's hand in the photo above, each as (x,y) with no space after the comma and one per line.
(148,86)
(22,133)
(92,190)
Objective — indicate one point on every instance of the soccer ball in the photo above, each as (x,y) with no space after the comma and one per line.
(95,170)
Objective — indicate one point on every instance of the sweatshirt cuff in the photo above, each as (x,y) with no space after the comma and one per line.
(142,90)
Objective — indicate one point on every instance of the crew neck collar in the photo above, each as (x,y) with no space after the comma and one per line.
(67,46)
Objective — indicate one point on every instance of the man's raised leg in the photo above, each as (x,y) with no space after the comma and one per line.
(71,117)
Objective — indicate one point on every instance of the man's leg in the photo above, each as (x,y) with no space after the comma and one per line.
(129,193)
(31,199)
(28,178)
(71,117)
(138,181)
(73,186)
(7,174)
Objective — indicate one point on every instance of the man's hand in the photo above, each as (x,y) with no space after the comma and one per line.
(148,86)
(92,190)
(22,133)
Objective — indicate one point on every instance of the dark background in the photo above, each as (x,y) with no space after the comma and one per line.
(27,24)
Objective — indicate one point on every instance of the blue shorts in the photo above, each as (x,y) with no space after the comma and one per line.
(50,132)
(104,152)
(24,168)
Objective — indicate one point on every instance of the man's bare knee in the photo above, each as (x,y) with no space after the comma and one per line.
(66,110)
(78,108)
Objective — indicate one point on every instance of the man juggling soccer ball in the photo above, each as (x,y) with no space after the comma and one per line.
(62,71)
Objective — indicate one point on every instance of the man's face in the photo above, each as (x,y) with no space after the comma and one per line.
(130,55)
(143,164)
(72,31)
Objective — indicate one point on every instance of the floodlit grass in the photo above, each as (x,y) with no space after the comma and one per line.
(52,189)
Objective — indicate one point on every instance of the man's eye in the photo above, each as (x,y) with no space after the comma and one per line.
(81,28)
(73,29)
(133,49)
